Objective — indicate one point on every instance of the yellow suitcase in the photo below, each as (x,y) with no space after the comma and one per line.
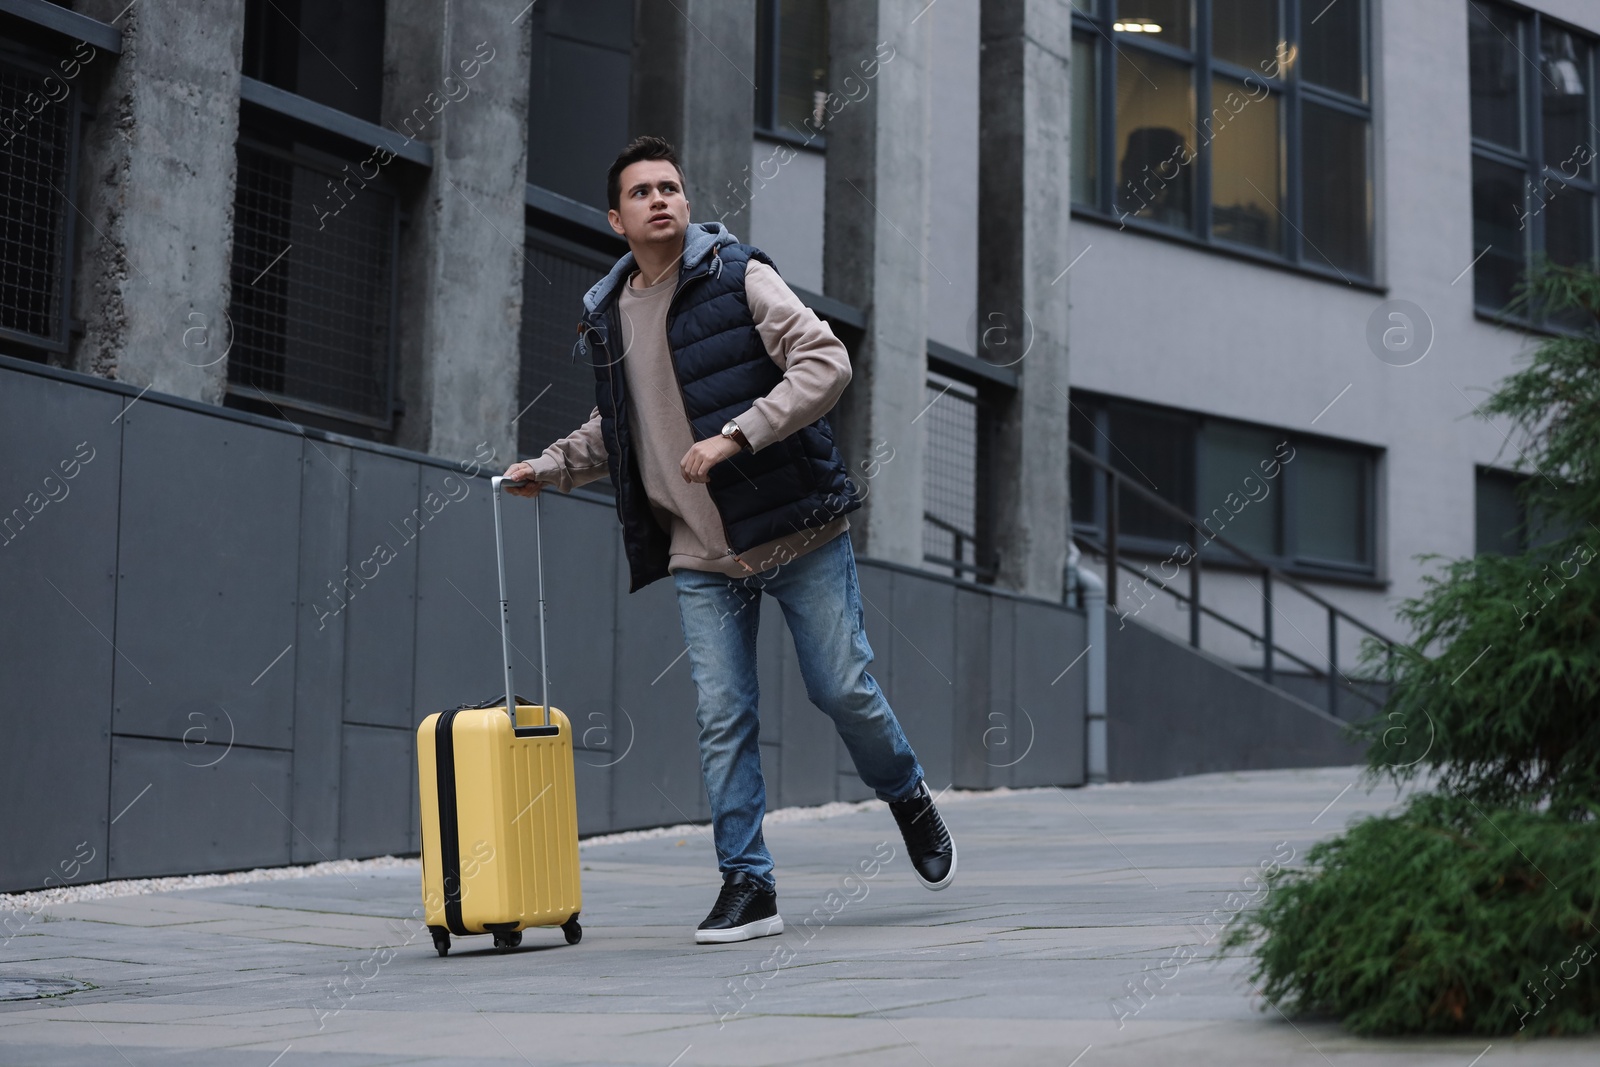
(499,807)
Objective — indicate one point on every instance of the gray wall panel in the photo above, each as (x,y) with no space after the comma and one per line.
(1050,714)
(457,649)
(1002,674)
(58,544)
(594,772)
(973,704)
(414,827)
(649,642)
(1172,711)
(170,816)
(375,586)
(325,491)
(209,532)
(222,574)
(380,778)
(923,691)
(580,588)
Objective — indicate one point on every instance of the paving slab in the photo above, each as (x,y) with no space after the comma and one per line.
(1063,898)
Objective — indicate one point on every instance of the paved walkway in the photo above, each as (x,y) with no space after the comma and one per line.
(1062,899)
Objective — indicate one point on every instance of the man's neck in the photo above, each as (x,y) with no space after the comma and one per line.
(656,262)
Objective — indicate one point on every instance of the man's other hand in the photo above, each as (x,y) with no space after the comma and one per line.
(699,460)
(521,471)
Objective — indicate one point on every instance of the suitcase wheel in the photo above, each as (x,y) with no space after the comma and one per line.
(441,942)
(507,942)
(573,931)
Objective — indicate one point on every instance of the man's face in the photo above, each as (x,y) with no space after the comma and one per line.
(652,208)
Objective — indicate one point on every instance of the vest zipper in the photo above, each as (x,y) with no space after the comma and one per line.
(677,292)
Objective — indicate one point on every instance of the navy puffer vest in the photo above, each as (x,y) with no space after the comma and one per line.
(722,367)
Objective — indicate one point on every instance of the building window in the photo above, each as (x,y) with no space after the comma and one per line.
(791,67)
(957,425)
(38,135)
(1502,526)
(316,227)
(579,76)
(1304,504)
(1533,151)
(1506,524)
(313,287)
(1245,124)
(329,53)
(556,392)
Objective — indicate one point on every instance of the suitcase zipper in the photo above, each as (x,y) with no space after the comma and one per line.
(449,830)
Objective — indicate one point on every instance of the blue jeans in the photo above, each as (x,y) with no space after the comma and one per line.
(822,603)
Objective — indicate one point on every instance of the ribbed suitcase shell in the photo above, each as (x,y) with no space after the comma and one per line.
(516,821)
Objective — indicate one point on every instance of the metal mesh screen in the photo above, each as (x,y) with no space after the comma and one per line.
(555,394)
(35,158)
(950,480)
(313,289)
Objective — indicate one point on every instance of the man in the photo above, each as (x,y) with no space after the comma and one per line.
(713,381)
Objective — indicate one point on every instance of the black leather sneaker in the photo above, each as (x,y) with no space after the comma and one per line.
(933,854)
(744,909)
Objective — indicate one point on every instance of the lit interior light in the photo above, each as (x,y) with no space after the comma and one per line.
(1140,26)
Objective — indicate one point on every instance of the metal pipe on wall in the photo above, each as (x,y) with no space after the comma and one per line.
(1092,593)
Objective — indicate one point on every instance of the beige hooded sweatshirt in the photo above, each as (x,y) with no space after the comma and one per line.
(816,368)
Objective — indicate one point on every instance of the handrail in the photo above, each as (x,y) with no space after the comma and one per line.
(1116,481)
(961,537)
(1172,509)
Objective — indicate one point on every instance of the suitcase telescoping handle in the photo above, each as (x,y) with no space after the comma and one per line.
(498,482)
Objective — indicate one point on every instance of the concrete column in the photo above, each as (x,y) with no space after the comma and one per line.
(694,64)
(155,188)
(875,236)
(456,76)
(1024,203)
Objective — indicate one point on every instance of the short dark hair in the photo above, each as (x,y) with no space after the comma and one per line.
(641,148)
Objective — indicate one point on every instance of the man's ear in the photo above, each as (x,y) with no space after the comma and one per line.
(615,218)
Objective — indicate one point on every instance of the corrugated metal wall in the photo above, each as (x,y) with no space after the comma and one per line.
(218,636)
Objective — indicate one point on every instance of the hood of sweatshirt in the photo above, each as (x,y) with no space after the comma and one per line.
(700,240)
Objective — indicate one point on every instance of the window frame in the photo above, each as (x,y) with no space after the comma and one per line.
(769,33)
(273,120)
(1089,522)
(1530,161)
(590,250)
(991,395)
(1294,251)
(263,139)
(36,59)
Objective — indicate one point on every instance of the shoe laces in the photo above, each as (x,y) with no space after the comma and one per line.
(919,821)
(734,896)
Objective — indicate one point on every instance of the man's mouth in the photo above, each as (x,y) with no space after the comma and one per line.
(661,218)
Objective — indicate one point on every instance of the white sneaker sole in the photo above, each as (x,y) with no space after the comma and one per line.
(759,928)
(948,878)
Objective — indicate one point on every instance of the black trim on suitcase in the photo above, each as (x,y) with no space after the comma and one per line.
(553,730)
(449,832)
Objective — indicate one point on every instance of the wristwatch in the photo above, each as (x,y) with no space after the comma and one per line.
(731,431)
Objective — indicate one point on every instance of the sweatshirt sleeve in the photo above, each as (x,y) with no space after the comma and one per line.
(815,363)
(577,459)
